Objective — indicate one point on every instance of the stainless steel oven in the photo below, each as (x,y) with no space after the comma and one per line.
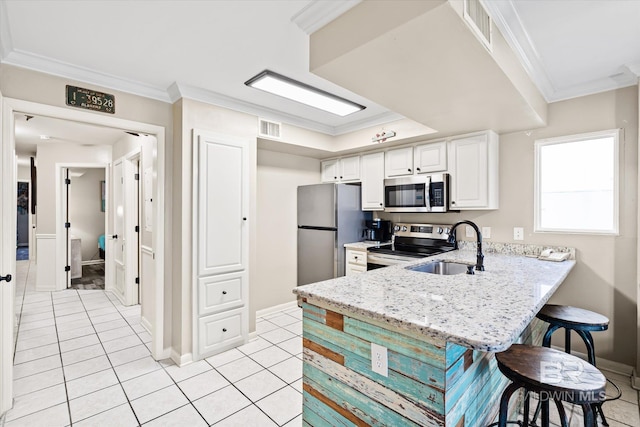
(411,242)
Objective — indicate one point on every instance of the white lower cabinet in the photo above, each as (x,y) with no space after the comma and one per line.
(219,332)
(221,292)
(356,261)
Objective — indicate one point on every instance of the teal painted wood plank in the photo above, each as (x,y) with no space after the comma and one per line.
(453,352)
(365,406)
(317,414)
(478,373)
(341,342)
(315,313)
(403,344)
(454,373)
(483,410)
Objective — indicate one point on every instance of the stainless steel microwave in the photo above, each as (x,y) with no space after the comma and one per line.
(417,193)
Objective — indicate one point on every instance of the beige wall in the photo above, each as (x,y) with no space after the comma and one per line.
(279,176)
(85,211)
(604,280)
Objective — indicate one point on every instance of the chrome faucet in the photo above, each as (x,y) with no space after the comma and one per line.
(479,255)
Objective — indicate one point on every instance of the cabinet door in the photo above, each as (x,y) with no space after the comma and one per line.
(399,162)
(349,168)
(431,157)
(372,188)
(469,172)
(223,198)
(329,170)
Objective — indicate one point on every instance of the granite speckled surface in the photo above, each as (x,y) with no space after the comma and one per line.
(486,311)
(363,245)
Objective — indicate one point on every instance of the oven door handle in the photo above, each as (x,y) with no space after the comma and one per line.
(386,259)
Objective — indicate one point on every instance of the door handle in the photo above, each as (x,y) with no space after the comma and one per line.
(7,278)
(115,236)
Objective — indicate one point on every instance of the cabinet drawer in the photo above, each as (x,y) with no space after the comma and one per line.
(355,269)
(220,292)
(357,257)
(220,331)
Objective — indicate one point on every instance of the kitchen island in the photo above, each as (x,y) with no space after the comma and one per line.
(440,334)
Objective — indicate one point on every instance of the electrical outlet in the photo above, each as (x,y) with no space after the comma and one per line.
(469,231)
(518,233)
(379,361)
(486,232)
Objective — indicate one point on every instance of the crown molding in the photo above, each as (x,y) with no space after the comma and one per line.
(604,84)
(69,71)
(319,13)
(380,119)
(6,44)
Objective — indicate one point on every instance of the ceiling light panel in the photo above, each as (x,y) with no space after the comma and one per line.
(303,93)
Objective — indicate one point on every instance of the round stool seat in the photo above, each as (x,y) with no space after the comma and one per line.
(561,375)
(574,318)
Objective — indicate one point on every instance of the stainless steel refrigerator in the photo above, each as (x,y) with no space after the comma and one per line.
(329,215)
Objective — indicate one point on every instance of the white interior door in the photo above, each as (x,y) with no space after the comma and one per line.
(119,242)
(7,257)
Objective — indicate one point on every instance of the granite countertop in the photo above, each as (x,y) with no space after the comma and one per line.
(364,245)
(486,311)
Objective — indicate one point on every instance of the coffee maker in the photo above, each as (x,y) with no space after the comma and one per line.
(378,230)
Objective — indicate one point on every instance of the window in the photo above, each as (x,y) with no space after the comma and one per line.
(576,183)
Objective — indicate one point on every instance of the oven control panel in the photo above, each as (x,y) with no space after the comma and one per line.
(425,231)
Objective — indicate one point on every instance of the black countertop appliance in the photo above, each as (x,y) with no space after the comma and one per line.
(378,230)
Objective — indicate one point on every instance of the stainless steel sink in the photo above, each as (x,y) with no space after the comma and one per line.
(442,267)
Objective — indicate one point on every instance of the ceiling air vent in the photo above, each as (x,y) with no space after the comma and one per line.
(269,129)
(476,15)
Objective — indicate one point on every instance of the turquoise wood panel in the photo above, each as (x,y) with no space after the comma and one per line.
(454,373)
(471,382)
(453,353)
(342,343)
(317,414)
(355,402)
(315,313)
(419,349)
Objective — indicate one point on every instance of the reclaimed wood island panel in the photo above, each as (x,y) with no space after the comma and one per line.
(440,332)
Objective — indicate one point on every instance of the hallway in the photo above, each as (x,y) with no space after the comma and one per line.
(83,359)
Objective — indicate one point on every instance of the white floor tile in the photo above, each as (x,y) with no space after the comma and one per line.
(146,384)
(120,416)
(248,416)
(36,401)
(239,368)
(292,346)
(259,385)
(81,354)
(80,342)
(188,371)
(265,326)
(128,355)
(102,311)
(224,358)
(185,416)
(295,328)
(122,343)
(37,382)
(75,333)
(25,344)
(297,385)
(35,353)
(36,366)
(270,356)
(33,333)
(202,384)
(91,383)
(254,345)
(71,318)
(220,404)
(277,336)
(296,422)
(158,403)
(55,416)
(282,406)
(70,326)
(36,324)
(136,368)
(86,367)
(109,317)
(288,370)
(97,402)
(113,334)
(282,319)
(112,324)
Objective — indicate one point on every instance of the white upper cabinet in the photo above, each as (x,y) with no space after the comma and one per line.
(399,162)
(329,170)
(473,165)
(431,157)
(341,170)
(373,182)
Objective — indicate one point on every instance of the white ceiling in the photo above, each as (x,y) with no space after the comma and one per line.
(208,49)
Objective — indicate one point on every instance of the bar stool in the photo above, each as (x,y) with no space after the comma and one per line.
(553,375)
(583,322)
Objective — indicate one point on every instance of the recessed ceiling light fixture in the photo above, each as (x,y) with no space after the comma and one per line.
(296,91)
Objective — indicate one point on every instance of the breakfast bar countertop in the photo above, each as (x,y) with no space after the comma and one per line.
(486,311)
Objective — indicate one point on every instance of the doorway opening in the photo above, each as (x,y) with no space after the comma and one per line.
(22,221)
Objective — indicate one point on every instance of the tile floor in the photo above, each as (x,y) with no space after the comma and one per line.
(83,359)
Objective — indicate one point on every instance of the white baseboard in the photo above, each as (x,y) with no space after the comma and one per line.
(252,336)
(277,308)
(145,324)
(605,364)
(635,380)
(183,360)
(93,262)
